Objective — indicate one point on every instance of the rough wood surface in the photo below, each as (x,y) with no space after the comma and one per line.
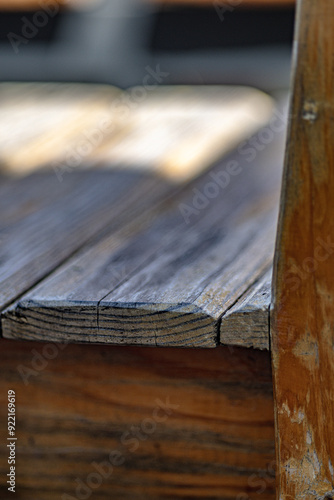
(249,314)
(170,284)
(45,218)
(83,402)
(303,288)
(43,222)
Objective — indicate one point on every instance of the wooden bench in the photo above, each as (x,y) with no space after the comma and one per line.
(133,259)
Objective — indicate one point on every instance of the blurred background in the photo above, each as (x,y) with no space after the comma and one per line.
(112,41)
(149,69)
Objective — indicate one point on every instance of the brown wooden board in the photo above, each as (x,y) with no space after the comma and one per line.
(82,403)
(303,288)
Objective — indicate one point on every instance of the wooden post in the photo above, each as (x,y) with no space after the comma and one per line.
(302,314)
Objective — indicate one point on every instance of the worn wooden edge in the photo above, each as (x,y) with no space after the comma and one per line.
(181,325)
(249,314)
(170,324)
(134,313)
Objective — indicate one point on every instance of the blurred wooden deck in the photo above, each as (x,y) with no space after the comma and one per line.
(125,223)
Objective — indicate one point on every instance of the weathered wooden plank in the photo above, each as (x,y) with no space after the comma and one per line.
(51,220)
(18,199)
(80,403)
(40,233)
(303,288)
(247,322)
(179,297)
(171,284)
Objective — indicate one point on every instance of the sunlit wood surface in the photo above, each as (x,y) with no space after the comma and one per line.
(175,131)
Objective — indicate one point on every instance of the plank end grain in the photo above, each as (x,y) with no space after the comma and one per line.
(247,322)
(181,325)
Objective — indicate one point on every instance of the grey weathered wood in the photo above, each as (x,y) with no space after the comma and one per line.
(178,301)
(247,322)
(170,301)
(170,284)
(37,236)
(24,197)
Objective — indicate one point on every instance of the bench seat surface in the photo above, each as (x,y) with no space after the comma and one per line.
(170,250)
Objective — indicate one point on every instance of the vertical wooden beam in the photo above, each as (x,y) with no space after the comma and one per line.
(302,315)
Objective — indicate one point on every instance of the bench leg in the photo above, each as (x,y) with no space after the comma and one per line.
(302,315)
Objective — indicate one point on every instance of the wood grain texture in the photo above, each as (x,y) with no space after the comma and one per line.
(171,283)
(45,218)
(249,314)
(303,289)
(217,442)
(43,221)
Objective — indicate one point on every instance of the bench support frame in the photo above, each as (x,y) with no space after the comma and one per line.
(302,312)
